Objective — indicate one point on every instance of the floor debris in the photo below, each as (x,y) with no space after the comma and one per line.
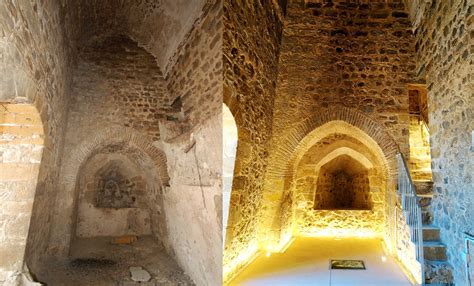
(139,274)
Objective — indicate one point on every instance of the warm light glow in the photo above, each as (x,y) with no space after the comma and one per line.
(384,258)
(410,264)
(339,233)
(268,254)
(420,157)
(244,258)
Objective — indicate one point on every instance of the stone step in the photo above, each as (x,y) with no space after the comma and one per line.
(434,250)
(431,233)
(423,187)
(425,199)
(426,217)
(426,210)
(438,273)
(423,174)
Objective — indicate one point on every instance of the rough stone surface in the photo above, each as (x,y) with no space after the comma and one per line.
(195,154)
(113,198)
(438,273)
(119,83)
(101,78)
(21,145)
(338,61)
(444,36)
(139,274)
(250,73)
(343,54)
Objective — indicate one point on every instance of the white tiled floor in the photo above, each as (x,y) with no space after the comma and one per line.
(306,262)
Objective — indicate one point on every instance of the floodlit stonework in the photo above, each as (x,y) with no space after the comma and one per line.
(330,98)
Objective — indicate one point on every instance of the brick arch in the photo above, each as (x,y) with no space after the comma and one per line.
(64,213)
(280,173)
(234,108)
(305,134)
(111,136)
(356,155)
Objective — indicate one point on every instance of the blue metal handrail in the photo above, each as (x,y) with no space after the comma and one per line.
(411,208)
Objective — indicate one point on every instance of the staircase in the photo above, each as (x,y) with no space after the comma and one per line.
(437,269)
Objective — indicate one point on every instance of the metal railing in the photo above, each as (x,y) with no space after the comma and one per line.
(411,208)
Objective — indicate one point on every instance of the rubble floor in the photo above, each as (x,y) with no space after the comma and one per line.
(97,262)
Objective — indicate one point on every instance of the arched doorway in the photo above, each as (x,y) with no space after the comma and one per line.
(337,186)
(21,149)
(229,145)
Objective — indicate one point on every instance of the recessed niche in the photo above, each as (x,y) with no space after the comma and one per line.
(113,195)
(343,183)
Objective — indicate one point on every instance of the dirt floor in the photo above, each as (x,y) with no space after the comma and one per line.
(97,262)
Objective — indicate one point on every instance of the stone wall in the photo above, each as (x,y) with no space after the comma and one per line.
(118,83)
(193,146)
(172,21)
(109,142)
(112,199)
(196,78)
(404,249)
(336,53)
(339,58)
(324,181)
(420,159)
(444,40)
(35,68)
(340,190)
(251,47)
(21,148)
(316,210)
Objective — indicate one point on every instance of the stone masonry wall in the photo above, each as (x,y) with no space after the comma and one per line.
(193,201)
(112,198)
(336,53)
(315,212)
(251,47)
(21,148)
(159,26)
(116,83)
(444,42)
(42,43)
(196,78)
(35,66)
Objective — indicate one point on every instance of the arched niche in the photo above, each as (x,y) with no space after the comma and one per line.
(114,196)
(118,141)
(338,187)
(343,183)
(279,222)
